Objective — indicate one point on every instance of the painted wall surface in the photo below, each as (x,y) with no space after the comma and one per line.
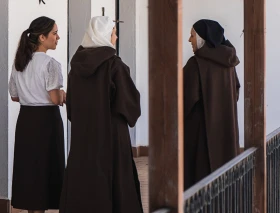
(133,50)
(4,166)
(18,9)
(272,65)
(127,44)
(79,17)
(109,5)
(142,67)
(232,21)
(230,15)
(127,34)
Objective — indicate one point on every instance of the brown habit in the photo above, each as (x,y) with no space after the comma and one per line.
(211,89)
(102,101)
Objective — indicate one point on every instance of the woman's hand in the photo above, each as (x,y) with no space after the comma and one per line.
(62,97)
(15,99)
(58,97)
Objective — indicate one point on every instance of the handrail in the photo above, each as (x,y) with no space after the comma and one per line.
(162,211)
(273,153)
(213,176)
(228,188)
(273,171)
(272,135)
(273,145)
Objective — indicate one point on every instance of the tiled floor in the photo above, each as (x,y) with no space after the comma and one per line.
(142,166)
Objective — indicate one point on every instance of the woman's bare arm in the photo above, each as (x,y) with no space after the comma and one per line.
(58,97)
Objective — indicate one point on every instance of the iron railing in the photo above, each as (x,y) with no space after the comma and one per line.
(273,171)
(228,189)
(162,211)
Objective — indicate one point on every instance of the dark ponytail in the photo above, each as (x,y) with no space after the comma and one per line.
(29,41)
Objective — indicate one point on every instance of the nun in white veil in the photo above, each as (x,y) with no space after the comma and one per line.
(99,33)
(102,101)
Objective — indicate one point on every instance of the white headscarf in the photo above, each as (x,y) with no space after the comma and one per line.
(99,32)
(199,41)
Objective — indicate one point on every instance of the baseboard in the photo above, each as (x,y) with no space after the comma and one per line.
(140,151)
(134,152)
(5,206)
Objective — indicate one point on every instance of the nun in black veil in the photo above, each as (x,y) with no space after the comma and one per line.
(211,90)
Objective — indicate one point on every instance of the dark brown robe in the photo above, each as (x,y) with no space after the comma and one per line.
(211,89)
(102,101)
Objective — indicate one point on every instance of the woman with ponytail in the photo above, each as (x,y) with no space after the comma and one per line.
(36,83)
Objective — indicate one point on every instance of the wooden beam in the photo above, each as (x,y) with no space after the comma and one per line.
(165,105)
(254,85)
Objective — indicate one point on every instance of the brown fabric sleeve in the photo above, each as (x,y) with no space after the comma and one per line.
(68,99)
(191,85)
(127,97)
(237,85)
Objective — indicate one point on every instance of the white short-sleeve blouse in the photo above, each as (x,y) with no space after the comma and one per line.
(42,74)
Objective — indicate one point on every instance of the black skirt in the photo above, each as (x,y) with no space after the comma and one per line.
(39,159)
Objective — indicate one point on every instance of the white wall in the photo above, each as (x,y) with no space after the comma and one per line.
(230,15)
(127,44)
(109,5)
(231,18)
(133,49)
(79,16)
(4,166)
(273,73)
(20,16)
(142,66)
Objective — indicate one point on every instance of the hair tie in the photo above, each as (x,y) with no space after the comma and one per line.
(29,30)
